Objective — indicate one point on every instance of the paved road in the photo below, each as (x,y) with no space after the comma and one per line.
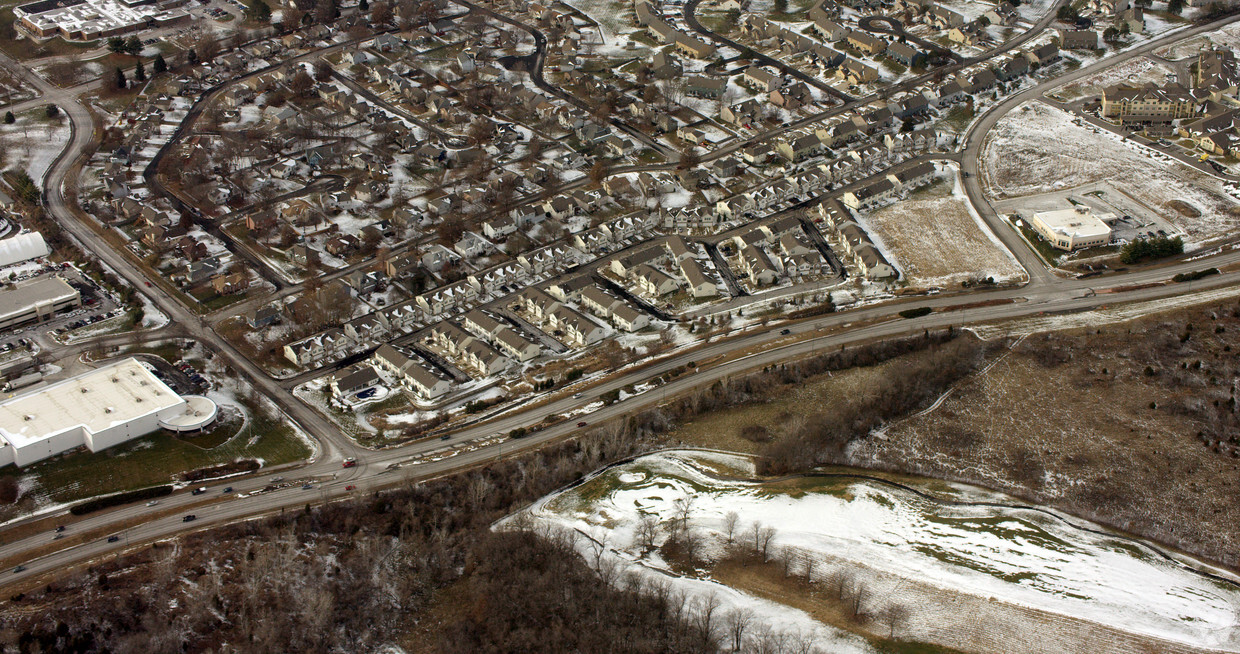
(1044,293)
(330,480)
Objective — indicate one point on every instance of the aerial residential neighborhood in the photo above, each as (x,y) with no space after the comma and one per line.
(619,325)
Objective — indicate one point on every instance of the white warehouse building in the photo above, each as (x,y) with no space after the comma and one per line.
(1075,228)
(98,409)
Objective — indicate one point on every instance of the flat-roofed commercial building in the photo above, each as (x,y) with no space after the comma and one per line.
(98,409)
(36,301)
(1073,229)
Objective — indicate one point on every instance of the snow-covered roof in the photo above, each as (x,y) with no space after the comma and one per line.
(96,400)
(22,247)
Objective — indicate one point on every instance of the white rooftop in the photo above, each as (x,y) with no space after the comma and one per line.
(1078,222)
(22,297)
(96,400)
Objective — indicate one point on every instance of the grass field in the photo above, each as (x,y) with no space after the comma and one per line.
(935,240)
(1124,423)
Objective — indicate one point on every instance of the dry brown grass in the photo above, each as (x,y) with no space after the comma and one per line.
(722,429)
(935,239)
(1075,420)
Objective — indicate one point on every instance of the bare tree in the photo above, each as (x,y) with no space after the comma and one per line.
(729,525)
(858,598)
(647,532)
(597,549)
(683,511)
(768,640)
(787,556)
(765,536)
(802,642)
(894,615)
(705,618)
(737,621)
(808,562)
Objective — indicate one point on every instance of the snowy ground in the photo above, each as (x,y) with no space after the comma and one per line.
(1037,148)
(32,143)
(1135,71)
(935,238)
(1023,561)
(1227,37)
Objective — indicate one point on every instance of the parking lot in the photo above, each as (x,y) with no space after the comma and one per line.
(181,377)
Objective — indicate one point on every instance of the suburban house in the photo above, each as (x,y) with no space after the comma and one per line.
(699,285)
(411,372)
(654,282)
(906,54)
(866,43)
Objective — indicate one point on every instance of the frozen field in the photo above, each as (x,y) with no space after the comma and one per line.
(935,238)
(1037,148)
(32,143)
(1135,71)
(1026,570)
(1227,37)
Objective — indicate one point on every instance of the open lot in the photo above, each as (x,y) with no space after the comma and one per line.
(32,142)
(1227,37)
(1037,149)
(934,238)
(1135,71)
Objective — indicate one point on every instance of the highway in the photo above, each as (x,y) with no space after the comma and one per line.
(1045,292)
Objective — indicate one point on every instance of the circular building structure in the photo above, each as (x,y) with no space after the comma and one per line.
(197,413)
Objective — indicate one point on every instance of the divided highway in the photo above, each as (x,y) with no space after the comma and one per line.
(1045,292)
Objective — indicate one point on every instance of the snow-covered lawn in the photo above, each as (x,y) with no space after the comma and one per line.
(1228,37)
(1037,148)
(1135,71)
(32,143)
(935,238)
(1047,575)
